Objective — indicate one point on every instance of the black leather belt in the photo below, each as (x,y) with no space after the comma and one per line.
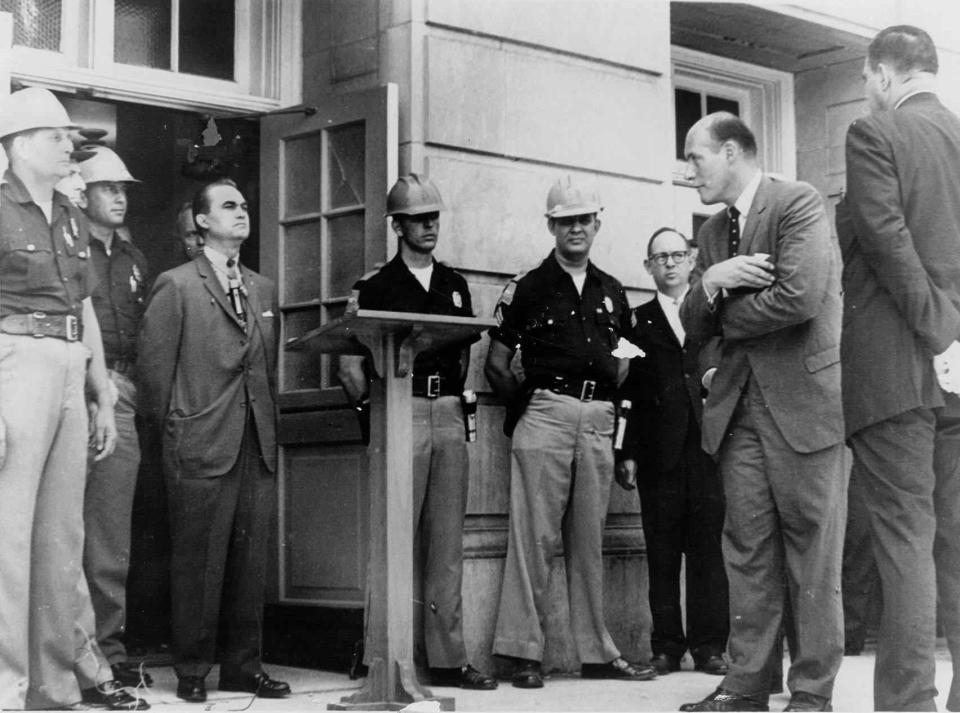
(434,386)
(122,366)
(41,324)
(582,389)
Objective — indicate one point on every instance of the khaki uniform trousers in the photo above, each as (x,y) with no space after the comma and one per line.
(561,473)
(41,513)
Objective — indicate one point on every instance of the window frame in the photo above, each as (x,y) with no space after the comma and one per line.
(267,73)
(765,97)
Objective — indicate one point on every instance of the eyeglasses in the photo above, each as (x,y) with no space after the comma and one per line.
(677,257)
(568,221)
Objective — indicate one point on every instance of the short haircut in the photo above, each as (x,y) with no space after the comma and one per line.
(724,126)
(905,48)
(201,199)
(660,231)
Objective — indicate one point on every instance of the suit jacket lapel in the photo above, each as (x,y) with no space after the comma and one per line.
(661,327)
(254,307)
(212,283)
(755,217)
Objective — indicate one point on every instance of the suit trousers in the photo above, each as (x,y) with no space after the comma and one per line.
(683,514)
(560,477)
(784,519)
(41,496)
(440,473)
(107,510)
(861,581)
(912,489)
(219,528)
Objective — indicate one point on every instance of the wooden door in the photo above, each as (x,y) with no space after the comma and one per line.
(324,181)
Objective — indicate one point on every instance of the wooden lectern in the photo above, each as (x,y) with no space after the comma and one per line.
(392,340)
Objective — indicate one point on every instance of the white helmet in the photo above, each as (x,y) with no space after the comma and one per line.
(104,165)
(32,108)
(569,198)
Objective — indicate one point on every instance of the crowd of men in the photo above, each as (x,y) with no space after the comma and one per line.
(769,345)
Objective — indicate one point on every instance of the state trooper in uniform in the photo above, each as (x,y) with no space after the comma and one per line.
(92,669)
(413,281)
(50,348)
(119,300)
(566,316)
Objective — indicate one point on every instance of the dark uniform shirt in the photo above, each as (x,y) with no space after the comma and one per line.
(393,287)
(44,267)
(560,332)
(119,297)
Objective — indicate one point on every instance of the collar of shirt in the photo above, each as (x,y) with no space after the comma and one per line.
(671,309)
(557,272)
(745,200)
(912,94)
(18,192)
(219,262)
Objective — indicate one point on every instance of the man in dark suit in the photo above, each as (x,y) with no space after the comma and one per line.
(900,230)
(680,491)
(767,282)
(208,351)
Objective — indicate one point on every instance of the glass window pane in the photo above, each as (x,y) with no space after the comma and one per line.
(301,369)
(345,165)
(721,104)
(206,38)
(687,106)
(141,33)
(36,23)
(302,169)
(302,260)
(346,253)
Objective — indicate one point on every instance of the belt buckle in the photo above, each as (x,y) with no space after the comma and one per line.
(72,326)
(433,386)
(587,390)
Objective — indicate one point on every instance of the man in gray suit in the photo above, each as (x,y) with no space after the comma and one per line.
(207,363)
(899,226)
(767,282)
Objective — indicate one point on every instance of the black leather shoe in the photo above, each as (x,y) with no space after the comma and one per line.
(527,674)
(618,668)
(130,674)
(192,689)
(724,700)
(112,695)
(803,701)
(714,665)
(466,677)
(665,663)
(260,685)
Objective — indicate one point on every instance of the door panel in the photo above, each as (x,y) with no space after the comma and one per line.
(324,178)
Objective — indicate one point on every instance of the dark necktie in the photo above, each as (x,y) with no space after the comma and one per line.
(235,290)
(733,230)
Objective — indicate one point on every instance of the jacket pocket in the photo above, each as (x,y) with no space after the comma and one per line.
(822,359)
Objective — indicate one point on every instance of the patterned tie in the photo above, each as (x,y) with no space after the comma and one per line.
(235,291)
(733,230)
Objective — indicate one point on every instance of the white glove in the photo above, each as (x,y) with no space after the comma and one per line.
(947,368)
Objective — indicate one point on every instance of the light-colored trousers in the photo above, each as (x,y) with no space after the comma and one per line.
(41,518)
(560,477)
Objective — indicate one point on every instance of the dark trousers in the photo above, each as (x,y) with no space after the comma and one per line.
(683,515)
(912,492)
(861,581)
(219,529)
